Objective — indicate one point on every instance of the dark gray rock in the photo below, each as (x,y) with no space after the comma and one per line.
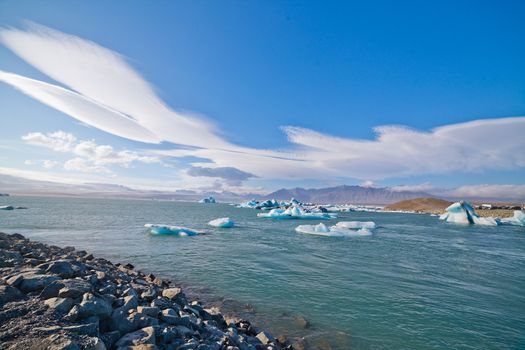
(9,294)
(74,288)
(61,305)
(110,338)
(143,336)
(94,306)
(62,268)
(149,310)
(36,282)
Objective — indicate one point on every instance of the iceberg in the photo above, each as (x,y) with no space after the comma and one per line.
(155,229)
(356,225)
(332,231)
(296,212)
(517,220)
(209,199)
(222,223)
(463,213)
(248,204)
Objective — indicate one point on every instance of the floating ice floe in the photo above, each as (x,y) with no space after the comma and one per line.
(517,220)
(463,213)
(170,230)
(356,225)
(209,199)
(222,223)
(334,231)
(296,212)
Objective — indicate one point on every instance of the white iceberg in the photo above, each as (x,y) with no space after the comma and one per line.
(463,213)
(295,212)
(332,231)
(209,199)
(248,204)
(356,225)
(517,220)
(156,229)
(222,223)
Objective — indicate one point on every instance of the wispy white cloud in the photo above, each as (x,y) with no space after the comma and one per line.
(57,141)
(492,191)
(424,187)
(46,163)
(105,92)
(85,166)
(232,176)
(90,157)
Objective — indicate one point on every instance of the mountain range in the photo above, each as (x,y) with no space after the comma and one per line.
(343,194)
(346,194)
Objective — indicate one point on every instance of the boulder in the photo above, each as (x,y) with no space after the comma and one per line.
(110,338)
(61,305)
(302,322)
(265,337)
(51,290)
(8,294)
(36,282)
(149,310)
(62,268)
(94,306)
(172,293)
(142,336)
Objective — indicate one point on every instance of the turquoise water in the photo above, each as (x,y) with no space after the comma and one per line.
(416,283)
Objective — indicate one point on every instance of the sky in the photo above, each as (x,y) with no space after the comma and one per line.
(252,96)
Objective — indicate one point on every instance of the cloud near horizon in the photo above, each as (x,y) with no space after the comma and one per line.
(89,156)
(102,90)
(232,176)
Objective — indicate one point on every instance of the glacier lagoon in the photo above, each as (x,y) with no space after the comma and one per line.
(415,283)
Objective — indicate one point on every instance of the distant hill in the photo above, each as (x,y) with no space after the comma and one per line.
(22,186)
(346,194)
(427,205)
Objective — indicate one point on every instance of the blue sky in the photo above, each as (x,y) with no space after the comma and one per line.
(241,70)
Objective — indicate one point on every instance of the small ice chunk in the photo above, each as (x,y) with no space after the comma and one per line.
(332,231)
(356,225)
(222,223)
(209,199)
(517,220)
(156,229)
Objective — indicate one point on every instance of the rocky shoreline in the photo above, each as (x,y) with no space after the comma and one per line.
(62,298)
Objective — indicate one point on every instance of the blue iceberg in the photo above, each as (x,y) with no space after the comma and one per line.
(156,229)
(463,213)
(222,223)
(296,212)
(209,199)
(517,220)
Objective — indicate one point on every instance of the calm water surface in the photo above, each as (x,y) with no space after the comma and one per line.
(416,283)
